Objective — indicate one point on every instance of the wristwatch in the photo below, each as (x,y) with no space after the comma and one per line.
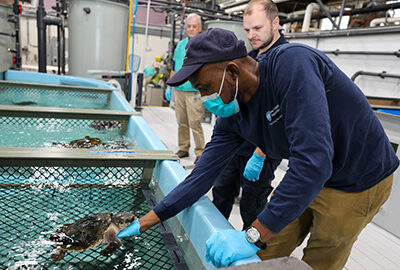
(253,236)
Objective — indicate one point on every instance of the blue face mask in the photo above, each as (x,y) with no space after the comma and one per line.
(214,103)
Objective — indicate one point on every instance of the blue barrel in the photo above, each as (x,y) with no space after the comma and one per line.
(390,111)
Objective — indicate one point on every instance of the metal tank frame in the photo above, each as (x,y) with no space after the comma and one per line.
(194,225)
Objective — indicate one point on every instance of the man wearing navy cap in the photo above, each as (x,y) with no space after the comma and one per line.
(295,104)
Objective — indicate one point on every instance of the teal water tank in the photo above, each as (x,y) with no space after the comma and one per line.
(98,31)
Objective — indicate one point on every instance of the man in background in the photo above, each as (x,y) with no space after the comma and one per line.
(188,106)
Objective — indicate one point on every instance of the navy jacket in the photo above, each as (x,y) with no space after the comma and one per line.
(305,110)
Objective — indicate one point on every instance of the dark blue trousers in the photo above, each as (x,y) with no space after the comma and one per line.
(254,194)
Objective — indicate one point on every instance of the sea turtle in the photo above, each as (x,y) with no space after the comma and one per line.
(119,144)
(100,125)
(86,142)
(25,103)
(89,232)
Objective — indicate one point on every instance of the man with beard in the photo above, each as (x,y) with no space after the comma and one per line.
(261,24)
(251,169)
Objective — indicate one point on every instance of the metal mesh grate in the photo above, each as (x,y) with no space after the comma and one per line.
(54,98)
(37,200)
(54,132)
(52,123)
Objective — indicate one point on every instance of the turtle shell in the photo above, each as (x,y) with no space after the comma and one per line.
(83,234)
(86,142)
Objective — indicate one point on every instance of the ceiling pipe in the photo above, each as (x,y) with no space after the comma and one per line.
(327,13)
(341,12)
(236,8)
(234,4)
(213,5)
(188,6)
(377,21)
(347,12)
(243,3)
(196,10)
(307,16)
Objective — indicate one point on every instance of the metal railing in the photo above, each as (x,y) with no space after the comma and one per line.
(382,75)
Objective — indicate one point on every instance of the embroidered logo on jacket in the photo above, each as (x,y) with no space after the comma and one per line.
(273,115)
(268,115)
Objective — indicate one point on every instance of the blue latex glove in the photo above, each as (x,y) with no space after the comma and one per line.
(225,247)
(168,93)
(132,229)
(254,167)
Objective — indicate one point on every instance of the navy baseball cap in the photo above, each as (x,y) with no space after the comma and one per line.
(213,45)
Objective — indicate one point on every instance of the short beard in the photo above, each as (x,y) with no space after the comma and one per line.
(266,44)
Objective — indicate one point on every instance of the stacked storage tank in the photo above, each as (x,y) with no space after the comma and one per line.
(98,32)
(235,27)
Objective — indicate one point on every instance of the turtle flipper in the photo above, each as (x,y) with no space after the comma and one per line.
(111,248)
(113,242)
(57,254)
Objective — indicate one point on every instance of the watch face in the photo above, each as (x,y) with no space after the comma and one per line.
(252,235)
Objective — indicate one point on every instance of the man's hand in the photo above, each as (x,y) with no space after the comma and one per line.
(133,229)
(225,247)
(140,225)
(254,167)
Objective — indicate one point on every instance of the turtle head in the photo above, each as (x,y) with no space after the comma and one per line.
(61,239)
(125,219)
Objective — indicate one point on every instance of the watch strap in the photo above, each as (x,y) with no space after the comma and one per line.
(258,243)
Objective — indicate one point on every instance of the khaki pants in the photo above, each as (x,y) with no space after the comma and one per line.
(147,80)
(189,113)
(334,219)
